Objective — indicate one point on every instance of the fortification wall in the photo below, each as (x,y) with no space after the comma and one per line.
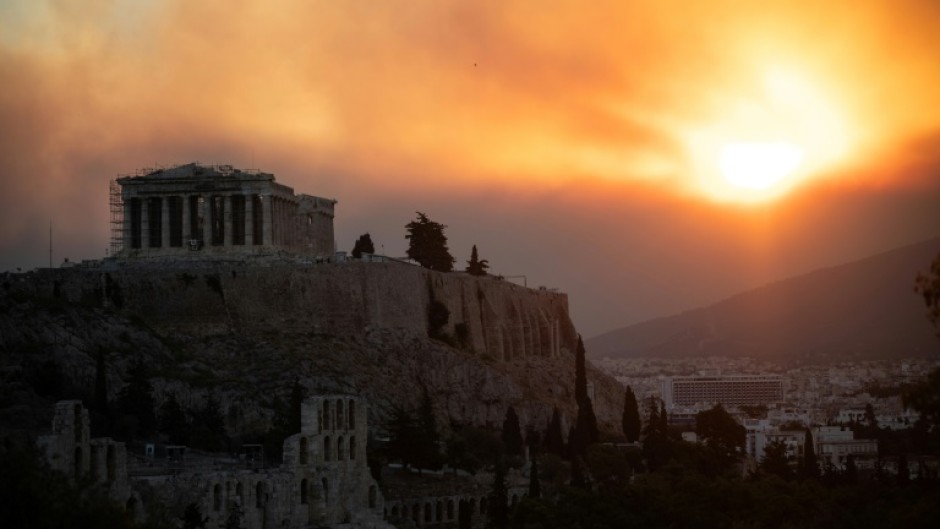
(492,317)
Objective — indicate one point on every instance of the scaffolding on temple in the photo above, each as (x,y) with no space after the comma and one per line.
(116,204)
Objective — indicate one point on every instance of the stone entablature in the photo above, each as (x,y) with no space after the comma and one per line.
(208,210)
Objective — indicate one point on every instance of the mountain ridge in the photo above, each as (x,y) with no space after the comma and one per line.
(862,309)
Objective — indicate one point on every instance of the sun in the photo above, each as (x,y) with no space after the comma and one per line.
(761,145)
(759,165)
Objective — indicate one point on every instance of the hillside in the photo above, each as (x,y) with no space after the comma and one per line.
(860,310)
(244,332)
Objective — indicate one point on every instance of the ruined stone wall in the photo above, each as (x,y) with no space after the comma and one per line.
(71,450)
(499,319)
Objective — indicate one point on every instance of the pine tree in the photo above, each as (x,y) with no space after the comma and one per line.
(476,266)
(363,245)
(631,416)
(428,244)
(512,433)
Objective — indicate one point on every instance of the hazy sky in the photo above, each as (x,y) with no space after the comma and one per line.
(581,144)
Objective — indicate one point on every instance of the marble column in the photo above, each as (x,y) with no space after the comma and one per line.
(267,220)
(227,236)
(165,223)
(144,223)
(249,219)
(186,221)
(126,235)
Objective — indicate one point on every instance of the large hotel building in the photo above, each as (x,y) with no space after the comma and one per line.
(732,390)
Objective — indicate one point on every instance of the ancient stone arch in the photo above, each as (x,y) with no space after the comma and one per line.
(352,447)
(340,449)
(303,451)
(340,422)
(327,449)
(259,495)
(216,497)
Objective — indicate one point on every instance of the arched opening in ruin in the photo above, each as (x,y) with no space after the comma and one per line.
(78,461)
(95,457)
(327,449)
(427,512)
(239,493)
(326,415)
(352,414)
(326,490)
(303,451)
(216,497)
(77,420)
(465,513)
(395,512)
(340,449)
(352,447)
(110,462)
(450,510)
(372,496)
(340,422)
(416,513)
(259,495)
(439,511)
(303,492)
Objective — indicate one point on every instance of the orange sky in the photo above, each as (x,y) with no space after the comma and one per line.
(591,130)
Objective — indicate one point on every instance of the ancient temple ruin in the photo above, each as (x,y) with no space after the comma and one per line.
(215,210)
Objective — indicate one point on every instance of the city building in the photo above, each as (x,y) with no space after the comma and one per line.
(215,210)
(729,390)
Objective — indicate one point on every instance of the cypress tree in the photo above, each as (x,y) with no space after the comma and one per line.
(554,441)
(535,489)
(497,514)
(810,466)
(663,419)
(512,433)
(631,416)
(476,266)
(586,423)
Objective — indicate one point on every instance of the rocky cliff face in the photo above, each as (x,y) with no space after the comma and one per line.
(245,332)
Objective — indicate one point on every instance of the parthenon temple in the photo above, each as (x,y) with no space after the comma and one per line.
(215,210)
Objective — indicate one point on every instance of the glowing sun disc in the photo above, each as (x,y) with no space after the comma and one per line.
(758,165)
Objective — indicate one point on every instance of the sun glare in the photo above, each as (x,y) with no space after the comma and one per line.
(761,146)
(758,165)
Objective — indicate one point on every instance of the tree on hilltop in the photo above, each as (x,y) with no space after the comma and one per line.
(363,245)
(428,244)
(476,266)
